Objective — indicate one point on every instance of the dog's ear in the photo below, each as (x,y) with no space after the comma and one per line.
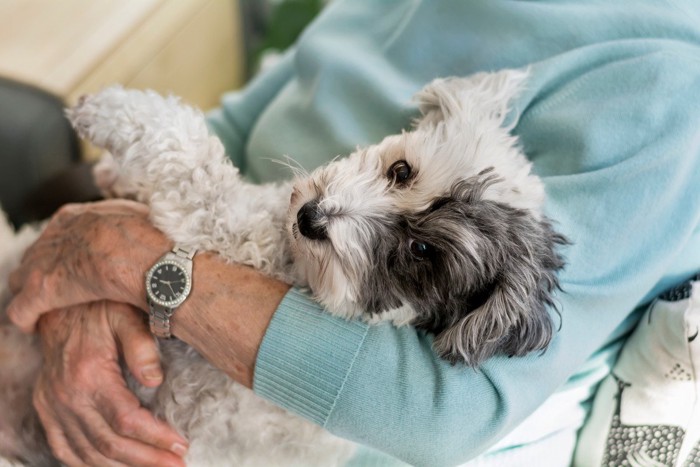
(509,313)
(480,96)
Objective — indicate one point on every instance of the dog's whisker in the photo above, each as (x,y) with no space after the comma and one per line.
(296,168)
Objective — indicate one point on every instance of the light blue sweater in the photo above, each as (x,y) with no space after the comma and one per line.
(611,121)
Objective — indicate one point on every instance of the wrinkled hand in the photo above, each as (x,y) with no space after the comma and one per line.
(88,252)
(89,414)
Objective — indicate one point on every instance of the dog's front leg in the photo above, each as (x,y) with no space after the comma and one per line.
(162,154)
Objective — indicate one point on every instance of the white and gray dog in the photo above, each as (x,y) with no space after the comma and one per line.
(440,227)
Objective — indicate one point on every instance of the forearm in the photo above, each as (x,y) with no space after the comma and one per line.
(228,300)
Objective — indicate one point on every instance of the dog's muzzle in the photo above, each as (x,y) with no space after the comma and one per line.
(309,221)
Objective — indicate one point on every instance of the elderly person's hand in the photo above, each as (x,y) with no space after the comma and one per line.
(90,416)
(101,251)
(88,252)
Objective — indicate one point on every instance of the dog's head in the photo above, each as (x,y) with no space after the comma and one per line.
(442,223)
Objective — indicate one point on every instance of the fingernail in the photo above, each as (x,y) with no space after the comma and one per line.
(179,449)
(152,373)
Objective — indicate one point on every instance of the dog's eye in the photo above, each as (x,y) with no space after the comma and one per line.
(420,250)
(399,172)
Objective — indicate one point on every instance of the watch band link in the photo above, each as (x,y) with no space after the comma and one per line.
(159,321)
(183,253)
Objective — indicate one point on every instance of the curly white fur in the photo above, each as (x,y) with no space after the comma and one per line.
(361,264)
(164,156)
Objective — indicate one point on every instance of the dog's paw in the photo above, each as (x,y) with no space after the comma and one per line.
(107,119)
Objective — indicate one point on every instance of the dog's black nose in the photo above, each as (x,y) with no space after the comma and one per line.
(308,221)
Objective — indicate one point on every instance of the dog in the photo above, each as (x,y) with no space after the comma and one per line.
(440,227)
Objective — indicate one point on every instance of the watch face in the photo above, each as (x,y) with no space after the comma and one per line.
(168,284)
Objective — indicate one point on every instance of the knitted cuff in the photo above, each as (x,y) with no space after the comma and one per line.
(305,357)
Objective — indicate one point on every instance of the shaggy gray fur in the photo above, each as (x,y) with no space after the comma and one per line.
(487,280)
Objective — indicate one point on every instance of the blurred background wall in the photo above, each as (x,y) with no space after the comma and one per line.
(196,49)
(53,51)
(192,48)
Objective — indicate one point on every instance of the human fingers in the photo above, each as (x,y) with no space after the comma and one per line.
(81,378)
(97,254)
(63,434)
(137,344)
(26,308)
(59,444)
(120,446)
(120,408)
(143,360)
(128,421)
(87,453)
(74,344)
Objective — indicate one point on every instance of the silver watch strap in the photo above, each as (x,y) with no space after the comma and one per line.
(183,253)
(159,316)
(159,321)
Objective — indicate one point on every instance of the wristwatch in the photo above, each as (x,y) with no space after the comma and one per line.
(168,283)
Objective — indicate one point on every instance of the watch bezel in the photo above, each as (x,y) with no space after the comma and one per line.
(185,292)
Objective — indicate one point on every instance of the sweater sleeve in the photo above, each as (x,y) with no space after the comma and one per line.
(616,141)
(239,110)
